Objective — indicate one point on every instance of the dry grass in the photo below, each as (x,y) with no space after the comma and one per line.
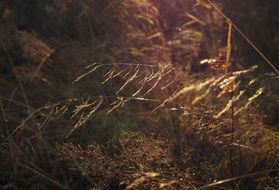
(59,131)
(141,162)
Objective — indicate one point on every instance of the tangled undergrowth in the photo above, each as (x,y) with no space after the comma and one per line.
(112,103)
(140,162)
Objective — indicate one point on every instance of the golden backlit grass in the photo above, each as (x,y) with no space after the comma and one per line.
(135,75)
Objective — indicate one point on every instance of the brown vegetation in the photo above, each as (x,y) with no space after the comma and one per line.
(113,103)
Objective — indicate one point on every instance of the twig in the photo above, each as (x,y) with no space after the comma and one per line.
(208,186)
(245,37)
(43,175)
(228,57)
